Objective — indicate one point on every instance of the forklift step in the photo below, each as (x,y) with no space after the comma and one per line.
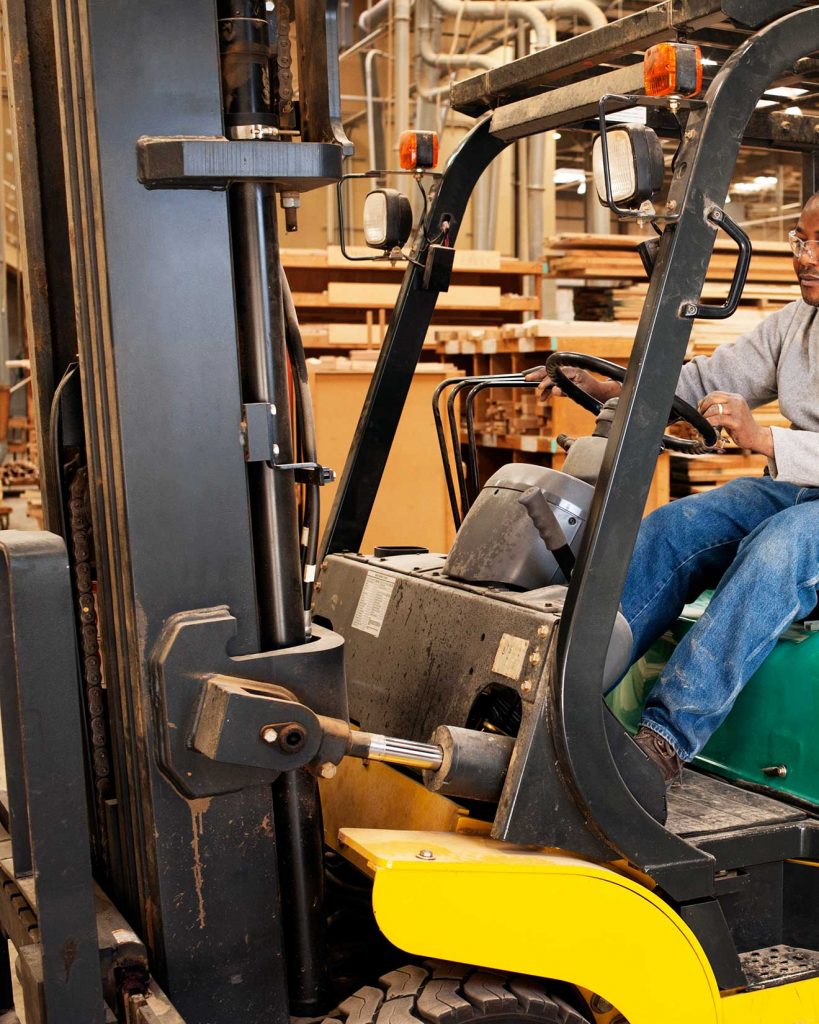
(702,806)
(778,965)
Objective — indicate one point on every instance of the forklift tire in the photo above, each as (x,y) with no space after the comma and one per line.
(449,993)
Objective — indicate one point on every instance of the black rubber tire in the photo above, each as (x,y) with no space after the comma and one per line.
(451,993)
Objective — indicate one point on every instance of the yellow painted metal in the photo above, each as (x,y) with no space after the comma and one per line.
(796,1003)
(540,912)
(368,794)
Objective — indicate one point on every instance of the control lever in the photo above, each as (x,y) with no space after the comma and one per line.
(550,530)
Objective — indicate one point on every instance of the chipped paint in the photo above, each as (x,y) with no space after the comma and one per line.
(198,809)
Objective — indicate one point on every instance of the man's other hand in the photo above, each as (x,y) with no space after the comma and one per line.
(602,390)
(723,409)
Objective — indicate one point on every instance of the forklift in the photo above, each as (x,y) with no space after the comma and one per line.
(399,797)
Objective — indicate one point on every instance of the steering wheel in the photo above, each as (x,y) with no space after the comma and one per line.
(680,409)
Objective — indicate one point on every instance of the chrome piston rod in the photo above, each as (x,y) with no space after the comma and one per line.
(372,747)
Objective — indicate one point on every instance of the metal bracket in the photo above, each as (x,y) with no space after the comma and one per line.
(214,162)
(310,472)
(259,432)
(258,725)
(210,707)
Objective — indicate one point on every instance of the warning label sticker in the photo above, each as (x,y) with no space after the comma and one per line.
(373,603)
(510,656)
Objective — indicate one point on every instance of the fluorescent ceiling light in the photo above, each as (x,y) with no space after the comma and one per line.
(786,92)
(633,115)
(762,183)
(569,176)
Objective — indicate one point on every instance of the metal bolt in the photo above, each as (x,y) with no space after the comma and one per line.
(525,686)
(671,204)
(292,737)
(776,771)
(425,855)
(543,630)
(690,310)
(534,658)
(269,734)
(275,449)
(328,771)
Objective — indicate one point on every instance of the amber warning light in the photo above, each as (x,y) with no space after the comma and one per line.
(673,69)
(418,151)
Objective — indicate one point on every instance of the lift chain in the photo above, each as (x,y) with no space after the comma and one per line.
(91,665)
(284,64)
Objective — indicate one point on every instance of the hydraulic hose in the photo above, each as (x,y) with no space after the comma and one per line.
(307,435)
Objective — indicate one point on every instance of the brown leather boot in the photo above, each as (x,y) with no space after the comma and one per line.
(661,754)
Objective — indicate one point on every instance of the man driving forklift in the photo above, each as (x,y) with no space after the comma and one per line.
(755,541)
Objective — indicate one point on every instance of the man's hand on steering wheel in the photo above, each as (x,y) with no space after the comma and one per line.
(602,390)
(724,409)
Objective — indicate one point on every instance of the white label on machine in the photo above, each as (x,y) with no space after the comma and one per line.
(373,603)
(510,656)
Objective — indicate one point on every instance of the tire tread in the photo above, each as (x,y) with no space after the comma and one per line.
(445,992)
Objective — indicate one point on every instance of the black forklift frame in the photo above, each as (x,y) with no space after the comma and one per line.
(699,188)
(200,878)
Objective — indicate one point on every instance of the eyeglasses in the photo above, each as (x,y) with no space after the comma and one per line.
(801,246)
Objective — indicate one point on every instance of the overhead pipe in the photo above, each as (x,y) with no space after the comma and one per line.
(587,10)
(452,61)
(514,10)
(375,108)
(401,23)
(427,79)
(374,16)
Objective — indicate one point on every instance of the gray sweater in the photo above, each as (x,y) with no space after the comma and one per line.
(779,358)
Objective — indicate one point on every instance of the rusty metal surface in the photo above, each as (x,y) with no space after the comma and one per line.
(45,263)
(42,728)
(156,320)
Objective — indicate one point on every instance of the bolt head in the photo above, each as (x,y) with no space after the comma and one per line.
(328,771)
(425,855)
(275,449)
(269,734)
(534,658)
(543,630)
(691,310)
(525,686)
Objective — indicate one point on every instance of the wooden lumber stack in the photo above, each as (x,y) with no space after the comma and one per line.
(615,257)
(613,261)
(695,474)
(345,305)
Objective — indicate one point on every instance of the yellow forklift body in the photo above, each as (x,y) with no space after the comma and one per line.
(470,899)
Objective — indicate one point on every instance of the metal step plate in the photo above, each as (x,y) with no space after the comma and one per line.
(778,965)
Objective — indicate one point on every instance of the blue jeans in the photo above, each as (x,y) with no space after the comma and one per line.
(756,541)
